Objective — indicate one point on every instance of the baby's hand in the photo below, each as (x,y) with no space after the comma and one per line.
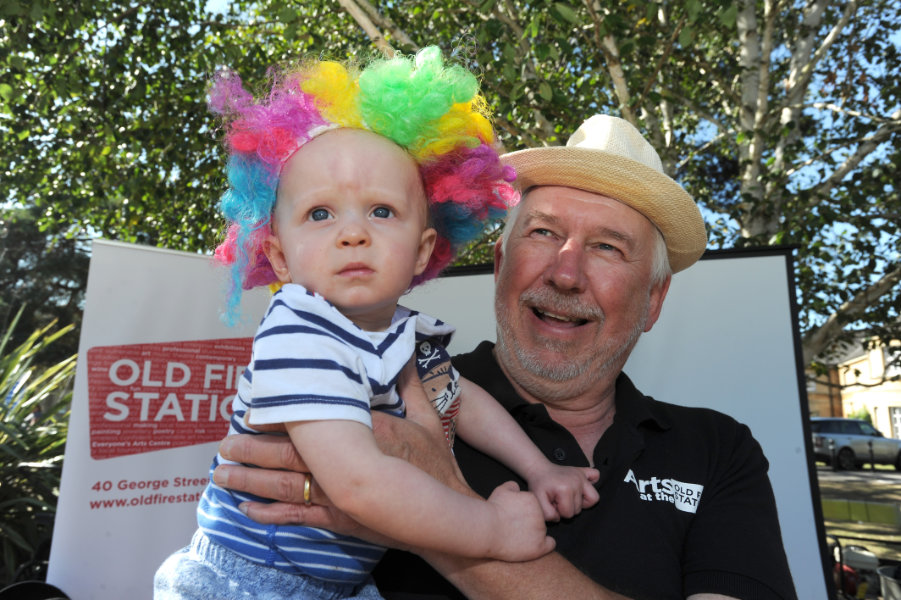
(521,532)
(564,491)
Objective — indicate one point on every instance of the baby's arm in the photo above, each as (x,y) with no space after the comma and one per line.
(484,424)
(390,496)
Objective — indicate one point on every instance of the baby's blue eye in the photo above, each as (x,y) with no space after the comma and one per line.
(382,212)
(319,214)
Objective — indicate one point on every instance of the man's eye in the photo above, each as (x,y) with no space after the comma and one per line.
(382,212)
(319,214)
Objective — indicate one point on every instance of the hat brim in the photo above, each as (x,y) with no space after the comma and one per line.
(663,201)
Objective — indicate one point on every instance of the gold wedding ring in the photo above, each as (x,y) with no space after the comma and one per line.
(307,488)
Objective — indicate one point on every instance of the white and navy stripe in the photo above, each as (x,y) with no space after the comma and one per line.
(310,362)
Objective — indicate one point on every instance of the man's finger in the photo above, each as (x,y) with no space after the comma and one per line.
(270,428)
(280,513)
(265,451)
(282,486)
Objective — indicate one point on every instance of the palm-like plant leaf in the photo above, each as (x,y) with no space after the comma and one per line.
(34,417)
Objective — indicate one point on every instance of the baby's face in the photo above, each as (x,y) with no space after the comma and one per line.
(350,223)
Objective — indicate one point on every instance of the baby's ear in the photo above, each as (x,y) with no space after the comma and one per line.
(272,248)
(426,245)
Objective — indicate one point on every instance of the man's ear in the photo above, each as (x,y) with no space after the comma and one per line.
(655,302)
(426,246)
(272,248)
(498,255)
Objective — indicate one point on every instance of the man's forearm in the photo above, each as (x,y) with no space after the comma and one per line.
(550,576)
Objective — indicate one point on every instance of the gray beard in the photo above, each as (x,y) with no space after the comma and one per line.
(541,378)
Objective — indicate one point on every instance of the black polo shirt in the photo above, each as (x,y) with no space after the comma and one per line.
(685,502)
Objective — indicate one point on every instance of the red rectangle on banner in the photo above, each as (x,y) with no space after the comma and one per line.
(146,397)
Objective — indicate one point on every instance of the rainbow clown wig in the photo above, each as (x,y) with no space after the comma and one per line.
(432,110)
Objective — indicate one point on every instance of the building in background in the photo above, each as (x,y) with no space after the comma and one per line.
(866,381)
(871,381)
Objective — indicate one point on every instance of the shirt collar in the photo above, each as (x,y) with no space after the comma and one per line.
(633,408)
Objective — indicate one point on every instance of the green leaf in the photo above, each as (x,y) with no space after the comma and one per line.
(16,62)
(566,11)
(534,26)
(37,10)
(728,16)
(11,8)
(545,90)
(287,14)
(693,8)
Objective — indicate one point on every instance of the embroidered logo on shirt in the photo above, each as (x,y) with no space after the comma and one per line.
(684,496)
(441,383)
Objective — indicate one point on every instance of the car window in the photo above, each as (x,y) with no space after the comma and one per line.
(868,429)
(850,427)
(816,426)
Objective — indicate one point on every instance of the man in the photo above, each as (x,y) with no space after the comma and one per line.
(583,267)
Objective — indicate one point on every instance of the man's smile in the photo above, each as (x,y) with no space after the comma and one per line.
(550,317)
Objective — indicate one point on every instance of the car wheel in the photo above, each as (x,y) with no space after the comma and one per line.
(898,462)
(845,459)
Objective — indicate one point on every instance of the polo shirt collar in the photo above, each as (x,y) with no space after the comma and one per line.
(635,409)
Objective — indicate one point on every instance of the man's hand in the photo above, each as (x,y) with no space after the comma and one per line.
(281,476)
(419,438)
(285,487)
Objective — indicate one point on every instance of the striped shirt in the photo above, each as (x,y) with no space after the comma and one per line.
(310,362)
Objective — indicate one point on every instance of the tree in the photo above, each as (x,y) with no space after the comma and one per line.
(45,275)
(781,118)
(106,133)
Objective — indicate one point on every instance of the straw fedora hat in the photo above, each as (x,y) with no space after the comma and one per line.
(609,156)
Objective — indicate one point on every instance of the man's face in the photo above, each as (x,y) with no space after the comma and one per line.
(573,291)
(350,224)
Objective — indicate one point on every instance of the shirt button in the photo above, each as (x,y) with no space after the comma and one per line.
(559,454)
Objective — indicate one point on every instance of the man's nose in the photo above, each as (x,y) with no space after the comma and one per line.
(567,271)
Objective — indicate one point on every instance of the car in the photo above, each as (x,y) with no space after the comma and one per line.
(850,442)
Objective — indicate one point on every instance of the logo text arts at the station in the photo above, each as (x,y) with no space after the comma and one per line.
(684,496)
(146,397)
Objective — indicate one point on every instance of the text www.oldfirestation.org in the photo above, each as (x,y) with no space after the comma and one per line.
(151,492)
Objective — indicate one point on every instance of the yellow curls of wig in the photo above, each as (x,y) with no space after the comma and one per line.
(465,123)
(336,91)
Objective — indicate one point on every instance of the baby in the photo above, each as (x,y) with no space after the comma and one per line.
(348,187)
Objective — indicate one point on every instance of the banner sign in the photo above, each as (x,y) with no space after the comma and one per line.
(146,397)
(156,373)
